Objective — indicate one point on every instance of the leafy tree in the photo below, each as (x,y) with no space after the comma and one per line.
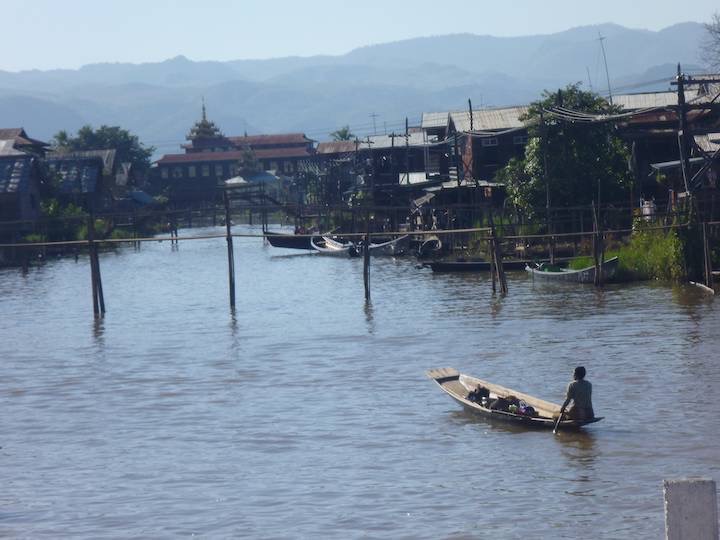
(578,155)
(342,134)
(128,147)
(711,45)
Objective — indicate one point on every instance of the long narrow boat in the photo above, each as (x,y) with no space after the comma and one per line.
(585,275)
(288,241)
(327,246)
(459,387)
(473,265)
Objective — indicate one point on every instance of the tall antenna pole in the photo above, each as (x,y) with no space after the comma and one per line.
(601,39)
(374,116)
(589,79)
(472,124)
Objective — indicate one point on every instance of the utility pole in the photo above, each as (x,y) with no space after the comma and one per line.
(589,79)
(472,125)
(601,39)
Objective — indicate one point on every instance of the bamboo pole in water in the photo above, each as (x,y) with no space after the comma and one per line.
(366,257)
(231,256)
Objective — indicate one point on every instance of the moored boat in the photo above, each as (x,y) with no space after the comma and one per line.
(584,275)
(391,248)
(288,241)
(473,265)
(327,246)
(529,411)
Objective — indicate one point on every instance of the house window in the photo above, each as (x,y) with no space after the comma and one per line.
(191,171)
(520,139)
(288,167)
(490,141)
(177,172)
(164,172)
(206,170)
(273,165)
(218,170)
(233,170)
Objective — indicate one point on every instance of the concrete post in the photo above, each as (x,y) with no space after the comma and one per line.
(691,509)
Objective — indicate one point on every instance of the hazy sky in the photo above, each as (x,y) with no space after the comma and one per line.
(44,34)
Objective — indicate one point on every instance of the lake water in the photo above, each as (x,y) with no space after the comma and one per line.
(307,414)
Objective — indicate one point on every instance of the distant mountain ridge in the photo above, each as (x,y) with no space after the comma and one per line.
(159,101)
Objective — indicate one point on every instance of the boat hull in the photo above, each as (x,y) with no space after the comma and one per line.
(473,266)
(288,241)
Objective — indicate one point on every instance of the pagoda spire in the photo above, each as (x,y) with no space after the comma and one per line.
(204,129)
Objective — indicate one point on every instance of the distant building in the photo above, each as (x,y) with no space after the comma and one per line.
(14,141)
(20,180)
(80,180)
(211,158)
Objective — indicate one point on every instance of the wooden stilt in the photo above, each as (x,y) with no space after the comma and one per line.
(366,257)
(707,258)
(95,278)
(231,256)
(497,258)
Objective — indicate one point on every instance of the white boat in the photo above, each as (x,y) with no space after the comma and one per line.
(392,248)
(585,275)
(333,248)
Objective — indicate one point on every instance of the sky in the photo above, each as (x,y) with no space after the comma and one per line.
(49,34)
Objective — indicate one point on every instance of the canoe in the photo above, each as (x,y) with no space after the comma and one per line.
(327,246)
(585,275)
(473,266)
(288,241)
(458,386)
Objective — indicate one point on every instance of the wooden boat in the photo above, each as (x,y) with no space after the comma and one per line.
(327,246)
(473,265)
(288,241)
(459,386)
(585,275)
(391,248)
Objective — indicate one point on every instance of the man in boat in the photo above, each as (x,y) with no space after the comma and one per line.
(579,391)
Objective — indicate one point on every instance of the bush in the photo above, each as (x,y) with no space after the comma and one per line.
(652,254)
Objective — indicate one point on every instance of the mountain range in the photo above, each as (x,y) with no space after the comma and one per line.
(318,94)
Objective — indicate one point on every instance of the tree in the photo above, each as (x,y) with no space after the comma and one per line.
(566,160)
(127,146)
(342,134)
(711,45)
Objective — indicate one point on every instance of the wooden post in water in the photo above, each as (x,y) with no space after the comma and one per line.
(366,257)
(598,249)
(708,258)
(95,278)
(497,258)
(231,256)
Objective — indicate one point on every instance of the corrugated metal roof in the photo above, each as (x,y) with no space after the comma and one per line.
(335,147)
(107,157)
(280,138)
(489,119)
(236,155)
(15,173)
(386,141)
(78,175)
(646,100)
(11,133)
(434,120)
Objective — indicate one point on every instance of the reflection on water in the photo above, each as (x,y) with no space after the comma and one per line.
(306,412)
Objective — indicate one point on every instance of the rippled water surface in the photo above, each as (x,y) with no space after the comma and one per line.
(307,414)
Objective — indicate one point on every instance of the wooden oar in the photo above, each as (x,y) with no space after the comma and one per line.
(555,429)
